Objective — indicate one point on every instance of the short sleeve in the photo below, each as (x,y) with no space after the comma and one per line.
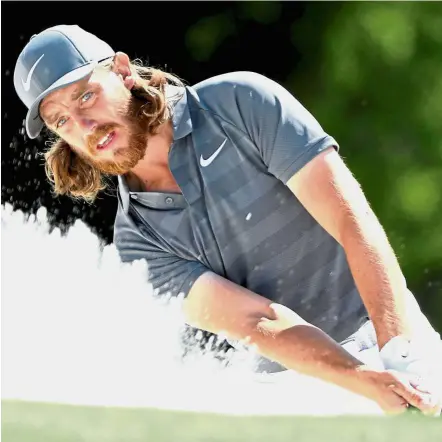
(168,274)
(285,132)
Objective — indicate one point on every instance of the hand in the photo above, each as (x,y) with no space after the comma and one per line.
(434,394)
(419,360)
(394,392)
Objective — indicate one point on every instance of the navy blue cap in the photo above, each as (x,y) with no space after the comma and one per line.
(52,59)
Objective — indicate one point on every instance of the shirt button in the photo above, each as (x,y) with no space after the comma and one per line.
(169,200)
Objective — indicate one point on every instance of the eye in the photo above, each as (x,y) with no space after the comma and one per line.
(60,122)
(87,96)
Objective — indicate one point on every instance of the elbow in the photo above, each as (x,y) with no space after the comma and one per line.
(270,326)
(218,306)
(255,328)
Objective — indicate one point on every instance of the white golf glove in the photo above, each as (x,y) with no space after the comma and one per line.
(422,358)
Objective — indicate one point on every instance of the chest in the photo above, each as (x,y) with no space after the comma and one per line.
(230,207)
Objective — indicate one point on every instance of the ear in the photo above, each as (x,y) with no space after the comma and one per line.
(121,67)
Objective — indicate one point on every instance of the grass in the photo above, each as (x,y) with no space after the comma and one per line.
(38,422)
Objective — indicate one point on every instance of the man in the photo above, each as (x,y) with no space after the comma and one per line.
(240,204)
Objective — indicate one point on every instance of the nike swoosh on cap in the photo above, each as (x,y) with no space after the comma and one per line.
(27,84)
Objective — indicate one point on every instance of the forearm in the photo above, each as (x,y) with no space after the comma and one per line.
(219,306)
(308,350)
(377,275)
(329,191)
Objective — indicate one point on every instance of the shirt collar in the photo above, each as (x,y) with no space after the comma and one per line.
(182,126)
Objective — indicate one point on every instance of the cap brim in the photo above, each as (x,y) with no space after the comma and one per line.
(34,124)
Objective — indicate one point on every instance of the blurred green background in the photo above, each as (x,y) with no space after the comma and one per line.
(372,75)
(370,72)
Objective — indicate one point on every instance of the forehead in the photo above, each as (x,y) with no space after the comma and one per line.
(62,94)
(69,93)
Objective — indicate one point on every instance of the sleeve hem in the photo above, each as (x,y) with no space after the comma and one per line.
(191,279)
(312,151)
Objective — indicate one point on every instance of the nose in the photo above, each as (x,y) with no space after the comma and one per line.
(87,124)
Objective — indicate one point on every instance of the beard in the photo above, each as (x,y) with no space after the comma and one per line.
(124,158)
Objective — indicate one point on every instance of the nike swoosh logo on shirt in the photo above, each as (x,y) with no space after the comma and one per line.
(27,83)
(206,162)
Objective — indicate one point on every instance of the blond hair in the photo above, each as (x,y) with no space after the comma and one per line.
(73,175)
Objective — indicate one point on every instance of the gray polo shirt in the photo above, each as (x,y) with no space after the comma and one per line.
(238,138)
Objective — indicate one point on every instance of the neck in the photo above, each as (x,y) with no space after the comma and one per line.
(152,172)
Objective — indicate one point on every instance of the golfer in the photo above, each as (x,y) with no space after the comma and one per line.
(240,204)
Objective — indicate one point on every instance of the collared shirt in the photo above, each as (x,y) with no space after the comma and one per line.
(238,138)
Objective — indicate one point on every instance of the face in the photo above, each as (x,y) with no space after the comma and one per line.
(97,117)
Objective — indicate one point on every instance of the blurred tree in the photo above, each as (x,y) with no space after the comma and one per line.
(371,74)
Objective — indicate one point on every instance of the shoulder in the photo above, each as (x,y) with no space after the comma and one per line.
(241,88)
(237,78)
(219,84)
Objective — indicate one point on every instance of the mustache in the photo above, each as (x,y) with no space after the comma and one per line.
(98,134)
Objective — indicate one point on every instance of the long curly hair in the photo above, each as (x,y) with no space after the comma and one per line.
(77,177)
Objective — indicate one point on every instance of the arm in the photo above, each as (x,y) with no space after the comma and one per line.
(331,194)
(334,198)
(219,306)
(222,307)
